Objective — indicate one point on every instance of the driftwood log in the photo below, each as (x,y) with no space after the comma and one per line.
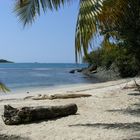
(60,96)
(15,116)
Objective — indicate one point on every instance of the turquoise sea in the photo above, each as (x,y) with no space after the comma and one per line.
(19,76)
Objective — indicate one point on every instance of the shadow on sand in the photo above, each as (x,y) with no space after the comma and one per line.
(134,94)
(129,111)
(134,126)
(11,137)
(134,109)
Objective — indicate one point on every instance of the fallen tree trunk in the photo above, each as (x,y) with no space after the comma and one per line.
(66,96)
(60,96)
(14,116)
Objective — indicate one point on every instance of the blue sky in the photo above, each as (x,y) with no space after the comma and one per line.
(50,39)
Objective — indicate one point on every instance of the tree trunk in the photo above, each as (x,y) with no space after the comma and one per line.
(14,116)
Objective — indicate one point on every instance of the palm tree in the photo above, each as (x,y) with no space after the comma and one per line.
(95,16)
(28,10)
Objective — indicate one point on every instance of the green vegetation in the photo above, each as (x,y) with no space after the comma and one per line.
(116,57)
(5,61)
(3,88)
(103,56)
(121,44)
(118,21)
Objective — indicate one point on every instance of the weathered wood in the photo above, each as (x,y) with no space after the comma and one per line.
(60,96)
(134,86)
(14,116)
(137,86)
(66,96)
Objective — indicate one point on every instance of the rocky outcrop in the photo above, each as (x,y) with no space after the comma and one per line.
(89,70)
(77,70)
(72,71)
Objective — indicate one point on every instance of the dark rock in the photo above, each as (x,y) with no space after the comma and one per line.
(92,68)
(95,71)
(80,70)
(72,71)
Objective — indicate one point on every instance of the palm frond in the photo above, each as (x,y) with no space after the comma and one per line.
(112,15)
(3,88)
(93,16)
(28,10)
(86,25)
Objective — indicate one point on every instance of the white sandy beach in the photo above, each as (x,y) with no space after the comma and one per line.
(111,113)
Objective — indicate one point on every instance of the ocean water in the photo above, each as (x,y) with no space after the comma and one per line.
(19,76)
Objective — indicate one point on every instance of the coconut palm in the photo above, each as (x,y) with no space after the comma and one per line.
(95,16)
(28,10)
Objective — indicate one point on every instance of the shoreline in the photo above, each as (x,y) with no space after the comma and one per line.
(111,113)
(19,94)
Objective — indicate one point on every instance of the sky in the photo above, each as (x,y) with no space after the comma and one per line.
(49,40)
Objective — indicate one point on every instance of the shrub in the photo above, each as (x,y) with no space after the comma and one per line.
(125,62)
(95,57)
(127,65)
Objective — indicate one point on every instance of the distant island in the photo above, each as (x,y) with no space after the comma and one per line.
(5,61)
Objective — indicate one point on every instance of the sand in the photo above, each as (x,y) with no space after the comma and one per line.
(111,113)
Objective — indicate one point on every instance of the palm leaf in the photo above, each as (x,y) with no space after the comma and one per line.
(94,15)
(28,10)
(86,25)
(3,88)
